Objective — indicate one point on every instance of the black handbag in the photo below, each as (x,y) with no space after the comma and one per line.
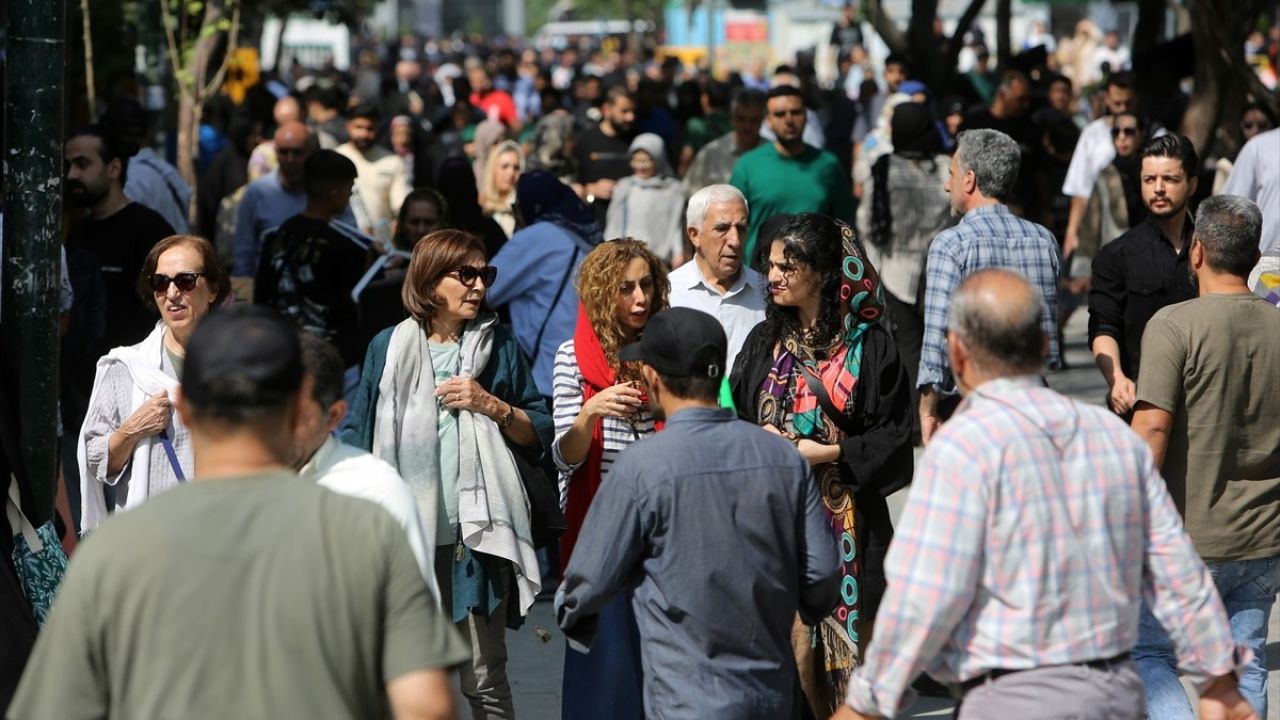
(546,520)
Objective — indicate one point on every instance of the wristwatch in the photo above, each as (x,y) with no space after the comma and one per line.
(505,421)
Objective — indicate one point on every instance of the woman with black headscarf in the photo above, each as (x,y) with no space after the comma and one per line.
(457,183)
(536,268)
(902,212)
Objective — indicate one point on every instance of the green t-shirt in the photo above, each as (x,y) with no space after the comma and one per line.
(176,361)
(251,597)
(699,131)
(445,360)
(1214,363)
(813,182)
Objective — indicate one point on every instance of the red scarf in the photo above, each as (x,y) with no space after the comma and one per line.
(597,375)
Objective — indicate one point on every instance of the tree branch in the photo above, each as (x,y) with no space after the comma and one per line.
(885,27)
(232,38)
(167,20)
(962,27)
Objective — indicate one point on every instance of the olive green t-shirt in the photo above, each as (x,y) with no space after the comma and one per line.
(252,597)
(1214,363)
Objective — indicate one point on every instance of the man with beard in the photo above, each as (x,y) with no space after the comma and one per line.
(604,151)
(1144,269)
(383,180)
(117,234)
(789,176)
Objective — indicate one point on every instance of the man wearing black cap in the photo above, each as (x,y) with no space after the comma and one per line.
(250,592)
(718,527)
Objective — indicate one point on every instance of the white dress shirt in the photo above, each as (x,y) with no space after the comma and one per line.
(1256,175)
(739,310)
(353,472)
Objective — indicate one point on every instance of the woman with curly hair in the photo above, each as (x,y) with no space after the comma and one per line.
(822,371)
(600,409)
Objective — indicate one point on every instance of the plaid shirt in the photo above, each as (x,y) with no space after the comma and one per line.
(986,237)
(1034,527)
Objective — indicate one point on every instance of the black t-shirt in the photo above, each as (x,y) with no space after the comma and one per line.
(307,272)
(119,244)
(846,37)
(1024,132)
(601,157)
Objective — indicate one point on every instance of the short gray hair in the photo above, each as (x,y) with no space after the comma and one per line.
(994,159)
(1005,339)
(1230,229)
(704,198)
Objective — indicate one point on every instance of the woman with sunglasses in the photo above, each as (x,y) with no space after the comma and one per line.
(600,409)
(1114,207)
(445,397)
(822,371)
(132,441)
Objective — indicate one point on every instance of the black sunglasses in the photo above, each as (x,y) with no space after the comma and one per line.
(467,274)
(1255,126)
(1126,131)
(186,281)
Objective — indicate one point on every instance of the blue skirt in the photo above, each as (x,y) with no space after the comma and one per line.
(606,682)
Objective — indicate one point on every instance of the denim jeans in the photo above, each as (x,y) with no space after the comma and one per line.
(1248,589)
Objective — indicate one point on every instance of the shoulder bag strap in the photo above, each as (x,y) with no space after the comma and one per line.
(18,522)
(173,456)
(537,343)
(819,391)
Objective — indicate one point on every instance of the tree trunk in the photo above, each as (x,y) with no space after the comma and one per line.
(1004,43)
(1221,77)
(873,11)
(90,90)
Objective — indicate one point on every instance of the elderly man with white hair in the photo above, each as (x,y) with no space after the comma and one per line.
(717,282)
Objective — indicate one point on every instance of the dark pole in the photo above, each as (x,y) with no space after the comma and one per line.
(33,107)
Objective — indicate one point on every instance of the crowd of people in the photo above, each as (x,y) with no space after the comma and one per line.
(459,332)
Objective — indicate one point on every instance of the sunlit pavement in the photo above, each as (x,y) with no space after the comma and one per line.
(535,667)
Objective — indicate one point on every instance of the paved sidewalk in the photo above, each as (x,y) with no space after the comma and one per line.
(535,667)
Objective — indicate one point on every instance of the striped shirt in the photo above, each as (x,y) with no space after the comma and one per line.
(567,383)
(155,183)
(1034,527)
(986,237)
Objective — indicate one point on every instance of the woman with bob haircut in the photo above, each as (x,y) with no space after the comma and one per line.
(822,371)
(445,397)
(132,439)
(600,409)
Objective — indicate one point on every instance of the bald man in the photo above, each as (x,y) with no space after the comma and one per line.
(1035,526)
(287,110)
(274,197)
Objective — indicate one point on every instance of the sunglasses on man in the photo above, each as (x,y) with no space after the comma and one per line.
(467,274)
(1126,131)
(186,281)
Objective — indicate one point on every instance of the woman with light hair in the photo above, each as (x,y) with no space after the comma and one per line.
(498,184)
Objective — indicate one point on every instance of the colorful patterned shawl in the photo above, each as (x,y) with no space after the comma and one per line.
(787,402)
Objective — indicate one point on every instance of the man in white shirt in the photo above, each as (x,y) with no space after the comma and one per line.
(1094,152)
(1256,175)
(383,181)
(718,282)
(346,470)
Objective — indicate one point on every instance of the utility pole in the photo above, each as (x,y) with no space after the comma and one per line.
(33,77)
